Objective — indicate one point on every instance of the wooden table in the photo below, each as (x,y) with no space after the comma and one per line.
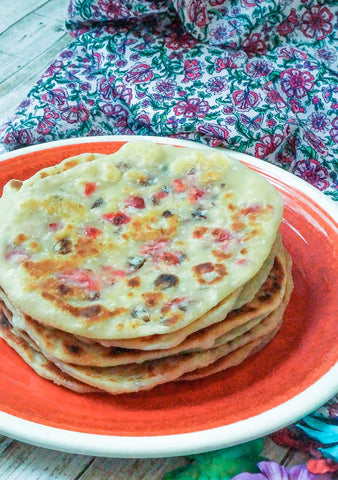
(31,34)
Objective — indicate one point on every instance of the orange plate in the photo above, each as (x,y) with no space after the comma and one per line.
(298,357)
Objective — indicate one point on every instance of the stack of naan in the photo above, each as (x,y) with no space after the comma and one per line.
(153,264)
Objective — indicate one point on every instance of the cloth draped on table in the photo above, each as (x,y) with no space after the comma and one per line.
(251,75)
(257,76)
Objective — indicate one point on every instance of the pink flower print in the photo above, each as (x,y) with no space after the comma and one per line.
(318,122)
(316,143)
(141,73)
(254,45)
(334,130)
(180,42)
(54,68)
(197,12)
(120,91)
(19,137)
(296,83)
(75,114)
(295,106)
(274,97)
(250,3)
(47,122)
(269,143)
(57,97)
(245,99)
(213,3)
(312,172)
(213,130)
(288,25)
(192,70)
(224,63)
(284,28)
(113,8)
(193,108)
(316,23)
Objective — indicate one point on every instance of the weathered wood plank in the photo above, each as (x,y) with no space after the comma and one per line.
(29,37)
(14,89)
(21,462)
(4,442)
(57,10)
(296,458)
(275,452)
(12,12)
(122,469)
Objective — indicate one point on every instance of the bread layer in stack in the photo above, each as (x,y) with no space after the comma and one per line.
(154,264)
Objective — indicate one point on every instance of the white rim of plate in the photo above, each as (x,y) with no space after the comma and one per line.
(184,443)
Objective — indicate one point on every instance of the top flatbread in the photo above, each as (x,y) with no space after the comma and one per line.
(141,242)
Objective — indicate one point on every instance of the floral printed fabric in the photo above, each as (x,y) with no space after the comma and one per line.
(251,75)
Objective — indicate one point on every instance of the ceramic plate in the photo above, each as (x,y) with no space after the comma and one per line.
(293,375)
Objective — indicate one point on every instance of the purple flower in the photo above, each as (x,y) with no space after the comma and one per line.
(213,130)
(75,114)
(334,130)
(125,93)
(166,88)
(192,108)
(318,121)
(216,85)
(313,172)
(226,31)
(327,54)
(274,471)
(259,68)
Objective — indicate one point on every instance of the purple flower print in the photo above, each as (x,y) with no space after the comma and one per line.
(274,471)
(165,88)
(318,121)
(216,85)
(125,93)
(141,73)
(213,130)
(226,31)
(311,171)
(192,108)
(113,110)
(75,114)
(316,22)
(296,83)
(334,130)
(105,88)
(259,68)
(329,55)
